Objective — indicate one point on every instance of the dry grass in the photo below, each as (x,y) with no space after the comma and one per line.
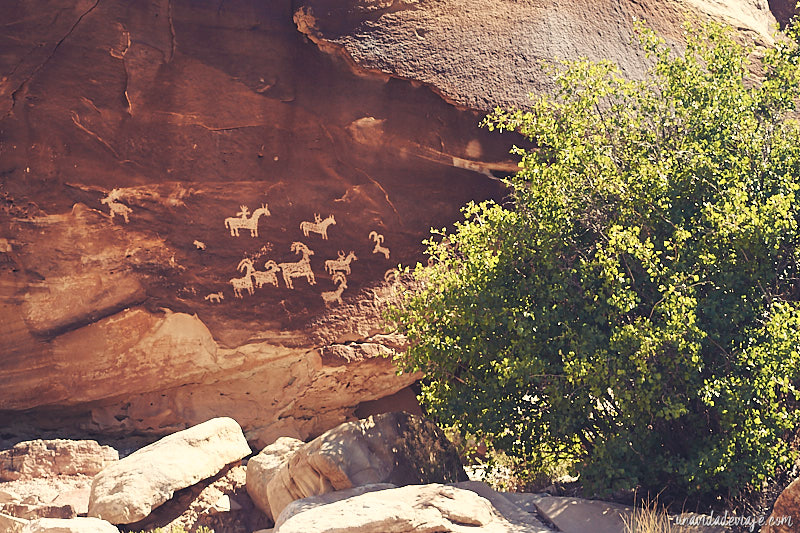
(649,518)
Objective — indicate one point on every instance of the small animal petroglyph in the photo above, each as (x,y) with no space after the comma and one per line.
(318,226)
(215,297)
(342,264)
(235,224)
(268,276)
(240,284)
(300,268)
(200,245)
(379,248)
(116,208)
(331,297)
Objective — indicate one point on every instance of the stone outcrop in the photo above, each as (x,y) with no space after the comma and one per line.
(395,448)
(484,53)
(128,490)
(399,510)
(151,149)
(46,458)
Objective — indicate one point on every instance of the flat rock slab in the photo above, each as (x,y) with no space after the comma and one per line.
(72,525)
(576,515)
(408,509)
(127,491)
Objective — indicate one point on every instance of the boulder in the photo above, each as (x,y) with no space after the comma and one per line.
(219,503)
(409,509)
(396,448)
(785,515)
(47,458)
(127,491)
(72,525)
(263,467)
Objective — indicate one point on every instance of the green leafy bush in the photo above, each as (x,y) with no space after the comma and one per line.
(634,308)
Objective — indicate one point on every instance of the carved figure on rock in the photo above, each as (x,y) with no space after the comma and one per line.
(268,276)
(235,224)
(116,208)
(379,248)
(318,226)
(200,245)
(300,268)
(215,297)
(331,297)
(245,283)
(342,264)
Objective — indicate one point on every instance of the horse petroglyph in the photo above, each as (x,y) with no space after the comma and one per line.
(215,297)
(300,268)
(245,283)
(342,264)
(331,297)
(116,208)
(379,248)
(200,245)
(318,226)
(235,224)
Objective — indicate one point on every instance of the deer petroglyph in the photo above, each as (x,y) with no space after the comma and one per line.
(318,226)
(242,222)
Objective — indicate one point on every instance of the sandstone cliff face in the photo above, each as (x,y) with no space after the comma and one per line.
(160,161)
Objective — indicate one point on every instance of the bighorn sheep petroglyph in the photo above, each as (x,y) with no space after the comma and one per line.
(246,282)
(300,268)
(331,297)
(379,249)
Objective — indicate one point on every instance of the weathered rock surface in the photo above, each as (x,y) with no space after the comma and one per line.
(263,467)
(46,458)
(33,511)
(132,131)
(73,525)
(396,448)
(11,524)
(483,53)
(128,490)
(398,510)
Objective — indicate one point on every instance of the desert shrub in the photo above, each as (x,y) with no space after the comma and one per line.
(633,308)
